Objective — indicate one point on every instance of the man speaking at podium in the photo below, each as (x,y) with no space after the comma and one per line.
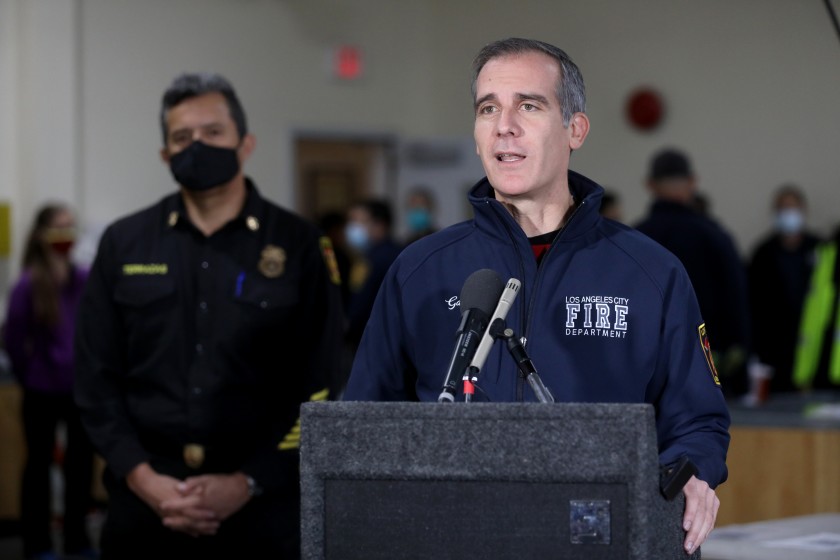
(607,314)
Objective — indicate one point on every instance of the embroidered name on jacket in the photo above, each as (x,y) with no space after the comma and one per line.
(604,316)
(150,269)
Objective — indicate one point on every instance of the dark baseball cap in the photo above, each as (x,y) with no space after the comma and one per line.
(670,164)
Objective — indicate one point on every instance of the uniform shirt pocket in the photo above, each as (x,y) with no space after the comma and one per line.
(265,307)
(140,291)
(267,294)
(149,312)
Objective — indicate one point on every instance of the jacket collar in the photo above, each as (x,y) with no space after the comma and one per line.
(488,210)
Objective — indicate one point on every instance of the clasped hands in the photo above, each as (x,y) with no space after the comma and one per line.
(195,506)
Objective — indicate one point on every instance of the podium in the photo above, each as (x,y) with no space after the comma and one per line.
(402,480)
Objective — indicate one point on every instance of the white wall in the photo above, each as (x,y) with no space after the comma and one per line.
(275,54)
(8,124)
(751,86)
(39,112)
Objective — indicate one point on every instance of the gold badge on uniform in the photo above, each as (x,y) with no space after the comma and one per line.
(194,455)
(272,261)
(707,352)
(329,258)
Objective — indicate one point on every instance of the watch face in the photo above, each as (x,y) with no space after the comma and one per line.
(254,489)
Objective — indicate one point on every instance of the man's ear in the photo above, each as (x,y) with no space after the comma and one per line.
(164,156)
(578,128)
(246,148)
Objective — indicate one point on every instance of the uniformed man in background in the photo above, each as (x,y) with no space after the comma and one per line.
(208,319)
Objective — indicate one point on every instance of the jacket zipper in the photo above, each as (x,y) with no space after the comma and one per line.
(526,319)
(525,315)
(522,313)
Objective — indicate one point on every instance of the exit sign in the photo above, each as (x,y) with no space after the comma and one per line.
(347,62)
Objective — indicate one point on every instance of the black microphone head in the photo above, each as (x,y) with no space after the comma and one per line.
(481,290)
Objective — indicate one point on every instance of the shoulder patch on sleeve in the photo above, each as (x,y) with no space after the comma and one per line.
(707,352)
(329,259)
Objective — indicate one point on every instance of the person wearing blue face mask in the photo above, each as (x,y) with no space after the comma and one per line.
(779,272)
(208,318)
(369,233)
(420,214)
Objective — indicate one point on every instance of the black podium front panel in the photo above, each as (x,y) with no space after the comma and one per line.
(483,480)
(409,519)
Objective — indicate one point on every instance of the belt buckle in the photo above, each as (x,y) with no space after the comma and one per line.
(194,455)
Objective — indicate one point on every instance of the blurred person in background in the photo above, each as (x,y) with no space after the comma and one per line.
(611,206)
(817,358)
(420,211)
(710,257)
(333,224)
(38,335)
(702,203)
(369,233)
(779,272)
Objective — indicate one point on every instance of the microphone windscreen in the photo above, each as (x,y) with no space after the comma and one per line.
(481,290)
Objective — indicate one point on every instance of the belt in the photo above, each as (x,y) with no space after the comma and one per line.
(195,456)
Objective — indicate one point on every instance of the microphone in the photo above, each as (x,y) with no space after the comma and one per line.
(526,367)
(479,294)
(505,303)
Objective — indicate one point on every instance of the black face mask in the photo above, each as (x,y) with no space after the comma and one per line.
(200,167)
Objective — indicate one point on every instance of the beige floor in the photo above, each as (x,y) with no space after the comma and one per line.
(11,465)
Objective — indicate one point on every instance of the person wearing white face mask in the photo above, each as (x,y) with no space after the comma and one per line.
(778,272)
(789,222)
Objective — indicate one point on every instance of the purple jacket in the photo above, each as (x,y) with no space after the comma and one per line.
(42,357)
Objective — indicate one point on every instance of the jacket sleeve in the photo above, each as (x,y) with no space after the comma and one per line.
(99,363)
(17,329)
(692,418)
(276,461)
(381,371)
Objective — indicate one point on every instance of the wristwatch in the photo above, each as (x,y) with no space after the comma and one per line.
(254,489)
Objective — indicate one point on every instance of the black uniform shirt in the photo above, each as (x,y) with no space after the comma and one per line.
(184,338)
